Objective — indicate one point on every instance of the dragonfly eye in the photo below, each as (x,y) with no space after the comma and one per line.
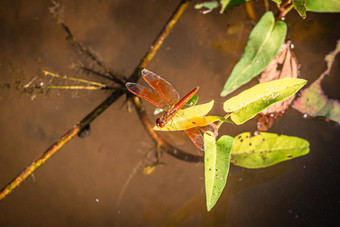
(160,122)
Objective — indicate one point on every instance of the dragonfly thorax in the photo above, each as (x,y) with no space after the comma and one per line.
(161,122)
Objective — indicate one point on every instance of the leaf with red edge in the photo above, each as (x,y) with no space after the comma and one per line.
(313,100)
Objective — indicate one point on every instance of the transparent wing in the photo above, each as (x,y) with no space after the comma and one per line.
(196,137)
(196,134)
(146,93)
(161,86)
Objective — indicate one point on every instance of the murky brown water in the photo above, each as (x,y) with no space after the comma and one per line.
(81,184)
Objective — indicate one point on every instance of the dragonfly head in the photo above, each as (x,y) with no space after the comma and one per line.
(161,122)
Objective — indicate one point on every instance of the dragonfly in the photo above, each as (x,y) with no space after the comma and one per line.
(165,96)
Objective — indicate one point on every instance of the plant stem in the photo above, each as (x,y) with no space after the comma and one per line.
(73,87)
(289,8)
(266,5)
(74,79)
(218,124)
(250,10)
(101,107)
(158,42)
(283,11)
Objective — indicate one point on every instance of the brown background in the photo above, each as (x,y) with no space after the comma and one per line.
(82,183)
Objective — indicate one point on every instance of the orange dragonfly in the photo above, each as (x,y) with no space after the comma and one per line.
(163,96)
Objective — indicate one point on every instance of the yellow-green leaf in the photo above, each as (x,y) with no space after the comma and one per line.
(266,149)
(196,111)
(224,4)
(190,117)
(180,123)
(252,101)
(216,166)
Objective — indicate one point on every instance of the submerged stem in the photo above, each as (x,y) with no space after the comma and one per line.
(159,40)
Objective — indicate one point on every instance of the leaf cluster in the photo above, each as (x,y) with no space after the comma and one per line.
(301,6)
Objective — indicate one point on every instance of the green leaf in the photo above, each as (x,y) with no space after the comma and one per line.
(224,4)
(230,3)
(263,44)
(216,166)
(266,149)
(277,1)
(191,101)
(326,6)
(300,6)
(211,5)
(247,104)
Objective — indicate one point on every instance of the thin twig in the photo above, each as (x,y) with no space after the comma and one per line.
(158,42)
(250,10)
(74,79)
(66,87)
(289,8)
(266,5)
(100,108)
(283,10)
(94,85)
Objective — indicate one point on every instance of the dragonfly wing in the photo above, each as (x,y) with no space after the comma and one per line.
(147,94)
(196,134)
(161,86)
(212,127)
(196,137)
